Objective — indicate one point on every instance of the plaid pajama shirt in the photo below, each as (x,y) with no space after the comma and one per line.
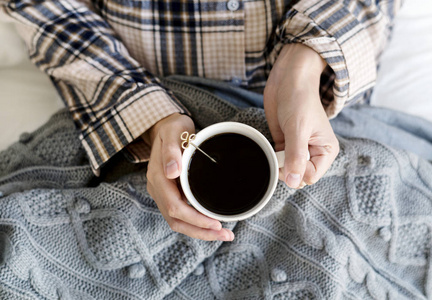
(105,56)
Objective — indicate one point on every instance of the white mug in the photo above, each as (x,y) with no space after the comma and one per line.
(275,159)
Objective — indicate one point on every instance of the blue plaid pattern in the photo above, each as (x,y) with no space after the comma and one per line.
(105,56)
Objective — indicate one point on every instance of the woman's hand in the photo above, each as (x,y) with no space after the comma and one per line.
(163,169)
(296,117)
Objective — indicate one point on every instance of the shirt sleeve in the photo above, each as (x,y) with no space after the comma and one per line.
(112,99)
(350,35)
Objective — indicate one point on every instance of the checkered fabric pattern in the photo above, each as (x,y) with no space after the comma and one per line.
(105,57)
(350,35)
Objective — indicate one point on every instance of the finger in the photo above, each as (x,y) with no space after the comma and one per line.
(270,109)
(171,149)
(296,152)
(281,175)
(200,233)
(171,154)
(321,159)
(173,206)
(180,210)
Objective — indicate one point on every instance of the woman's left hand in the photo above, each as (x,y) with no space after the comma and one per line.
(296,117)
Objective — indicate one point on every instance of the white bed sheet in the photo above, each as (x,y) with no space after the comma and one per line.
(28,99)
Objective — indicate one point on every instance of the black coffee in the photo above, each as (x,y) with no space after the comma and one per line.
(239,179)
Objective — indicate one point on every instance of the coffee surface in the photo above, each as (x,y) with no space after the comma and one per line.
(239,179)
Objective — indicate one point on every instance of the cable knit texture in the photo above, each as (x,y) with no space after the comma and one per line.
(362,232)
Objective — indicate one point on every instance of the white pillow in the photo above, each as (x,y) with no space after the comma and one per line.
(12,51)
(27,96)
(405,76)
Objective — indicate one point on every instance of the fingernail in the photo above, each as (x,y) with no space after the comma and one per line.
(225,237)
(302,185)
(232,236)
(171,167)
(293,180)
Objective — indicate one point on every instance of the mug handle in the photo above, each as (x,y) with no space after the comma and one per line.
(280,155)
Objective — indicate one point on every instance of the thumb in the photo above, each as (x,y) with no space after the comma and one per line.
(171,148)
(296,152)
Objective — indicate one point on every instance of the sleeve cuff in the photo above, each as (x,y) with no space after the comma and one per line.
(333,31)
(125,122)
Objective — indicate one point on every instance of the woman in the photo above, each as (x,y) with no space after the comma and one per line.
(309,58)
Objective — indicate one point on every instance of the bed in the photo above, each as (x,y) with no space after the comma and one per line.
(362,232)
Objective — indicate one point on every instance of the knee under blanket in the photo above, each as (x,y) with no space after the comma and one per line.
(362,232)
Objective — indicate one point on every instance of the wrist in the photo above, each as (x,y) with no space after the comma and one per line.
(304,56)
(175,119)
(303,64)
(151,133)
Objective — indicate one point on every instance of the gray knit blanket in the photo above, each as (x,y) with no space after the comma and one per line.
(362,232)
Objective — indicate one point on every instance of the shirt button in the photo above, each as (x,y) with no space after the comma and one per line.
(233,5)
(236,81)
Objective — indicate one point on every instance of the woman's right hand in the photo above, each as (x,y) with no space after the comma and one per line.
(163,170)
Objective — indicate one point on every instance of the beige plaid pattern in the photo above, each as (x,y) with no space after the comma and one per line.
(158,107)
(104,57)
